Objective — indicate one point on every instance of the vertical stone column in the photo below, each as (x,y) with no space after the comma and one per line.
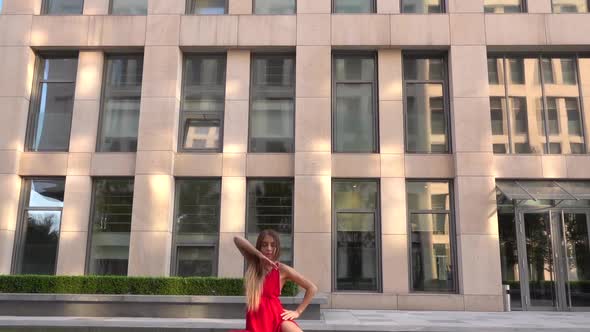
(235,148)
(96,7)
(475,203)
(22,7)
(313,146)
(153,197)
(539,7)
(75,221)
(388,6)
(17,63)
(240,7)
(393,184)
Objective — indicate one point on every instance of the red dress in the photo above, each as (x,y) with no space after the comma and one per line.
(268,316)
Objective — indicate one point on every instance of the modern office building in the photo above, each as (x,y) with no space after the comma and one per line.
(413,154)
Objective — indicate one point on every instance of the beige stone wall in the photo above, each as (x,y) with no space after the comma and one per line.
(465,32)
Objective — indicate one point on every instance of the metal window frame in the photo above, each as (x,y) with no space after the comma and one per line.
(35,104)
(452,236)
(92,213)
(45,9)
(372,11)
(186,114)
(190,8)
(378,235)
(255,13)
(524,8)
(443,8)
(117,14)
(253,93)
(176,244)
(446,98)
(21,227)
(375,102)
(247,216)
(104,94)
(554,12)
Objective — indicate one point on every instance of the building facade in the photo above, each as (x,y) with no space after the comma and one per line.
(411,154)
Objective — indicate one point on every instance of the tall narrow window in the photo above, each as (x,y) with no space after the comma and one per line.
(358,237)
(120,103)
(203,103)
(196,227)
(426,110)
(541,95)
(355,103)
(431,236)
(62,7)
(354,6)
(274,7)
(272,108)
(270,206)
(422,6)
(503,6)
(570,6)
(207,7)
(128,7)
(50,119)
(110,226)
(39,227)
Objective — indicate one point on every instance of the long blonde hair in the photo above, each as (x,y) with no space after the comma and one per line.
(254,279)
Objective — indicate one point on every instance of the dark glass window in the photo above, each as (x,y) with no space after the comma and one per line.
(111,226)
(196,227)
(354,6)
(356,228)
(120,103)
(203,103)
(570,6)
(422,6)
(207,7)
(50,119)
(427,114)
(493,75)
(355,103)
(431,236)
(39,229)
(62,7)
(270,206)
(503,6)
(128,7)
(275,7)
(272,103)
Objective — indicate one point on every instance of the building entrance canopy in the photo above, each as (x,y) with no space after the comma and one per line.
(544,190)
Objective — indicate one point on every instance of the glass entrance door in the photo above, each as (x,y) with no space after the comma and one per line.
(555,259)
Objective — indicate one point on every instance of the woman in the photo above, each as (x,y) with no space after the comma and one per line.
(263,282)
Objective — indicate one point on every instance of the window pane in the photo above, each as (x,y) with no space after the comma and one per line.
(354,68)
(204,84)
(354,119)
(494,77)
(63,7)
(53,120)
(432,266)
(355,211)
(354,6)
(202,133)
(121,102)
(59,69)
(198,204)
(517,70)
(568,71)
(111,226)
(46,193)
(195,261)
(129,7)
(428,196)
(274,6)
(272,108)
(350,195)
(208,7)
(421,6)
(431,69)
(570,6)
(426,118)
(270,206)
(41,240)
(503,6)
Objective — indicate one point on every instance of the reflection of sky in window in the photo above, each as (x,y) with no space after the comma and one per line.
(38,199)
(41,217)
(0,6)
(208,11)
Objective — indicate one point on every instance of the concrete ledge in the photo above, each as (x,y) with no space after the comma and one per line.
(83,305)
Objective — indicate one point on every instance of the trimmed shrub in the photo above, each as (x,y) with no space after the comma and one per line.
(42,284)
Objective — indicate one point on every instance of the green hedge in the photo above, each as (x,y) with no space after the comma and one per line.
(127,285)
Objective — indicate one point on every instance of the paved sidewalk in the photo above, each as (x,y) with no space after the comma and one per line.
(334,320)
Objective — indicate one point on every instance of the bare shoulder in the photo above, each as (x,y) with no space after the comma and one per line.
(286,270)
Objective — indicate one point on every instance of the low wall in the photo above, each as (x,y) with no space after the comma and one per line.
(140,306)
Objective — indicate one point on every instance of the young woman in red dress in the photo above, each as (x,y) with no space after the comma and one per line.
(265,277)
